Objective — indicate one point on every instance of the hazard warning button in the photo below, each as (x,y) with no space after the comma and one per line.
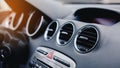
(50,55)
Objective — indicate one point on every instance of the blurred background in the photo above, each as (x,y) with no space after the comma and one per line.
(5,7)
(90,1)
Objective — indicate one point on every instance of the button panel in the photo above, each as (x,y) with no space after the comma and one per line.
(49,58)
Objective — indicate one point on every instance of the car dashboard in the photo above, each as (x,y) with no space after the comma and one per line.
(65,36)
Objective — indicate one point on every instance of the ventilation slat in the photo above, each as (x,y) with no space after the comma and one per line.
(68,28)
(91,41)
(64,37)
(88,36)
(85,43)
(67,31)
(89,32)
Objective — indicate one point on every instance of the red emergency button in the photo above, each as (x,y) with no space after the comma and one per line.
(50,55)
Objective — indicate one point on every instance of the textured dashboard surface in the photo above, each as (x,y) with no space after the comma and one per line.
(106,53)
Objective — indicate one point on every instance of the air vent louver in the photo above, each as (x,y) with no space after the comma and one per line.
(51,29)
(65,33)
(86,39)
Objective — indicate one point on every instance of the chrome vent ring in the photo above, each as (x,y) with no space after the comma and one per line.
(51,30)
(65,33)
(86,39)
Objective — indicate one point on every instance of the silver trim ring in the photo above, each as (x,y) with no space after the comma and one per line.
(18,23)
(28,23)
(58,34)
(46,31)
(77,34)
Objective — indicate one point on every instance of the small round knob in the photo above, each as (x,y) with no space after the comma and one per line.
(4,53)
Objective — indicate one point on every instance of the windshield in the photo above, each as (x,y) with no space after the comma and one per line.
(91,1)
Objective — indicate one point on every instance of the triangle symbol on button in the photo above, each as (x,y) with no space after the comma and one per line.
(50,55)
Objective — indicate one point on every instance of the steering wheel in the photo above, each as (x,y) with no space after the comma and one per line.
(12,44)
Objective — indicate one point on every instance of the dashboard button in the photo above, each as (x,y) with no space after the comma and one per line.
(42,65)
(61,61)
(42,52)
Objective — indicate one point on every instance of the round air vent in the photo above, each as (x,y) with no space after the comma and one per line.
(65,33)
(35,24)
(51,29)
(86,39)
(17,21)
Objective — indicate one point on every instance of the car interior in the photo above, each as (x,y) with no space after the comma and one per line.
(60,34)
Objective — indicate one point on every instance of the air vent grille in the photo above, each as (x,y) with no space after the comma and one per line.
(65,33)
(51,30)
(86,39)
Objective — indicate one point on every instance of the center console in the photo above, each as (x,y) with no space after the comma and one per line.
(49,58)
